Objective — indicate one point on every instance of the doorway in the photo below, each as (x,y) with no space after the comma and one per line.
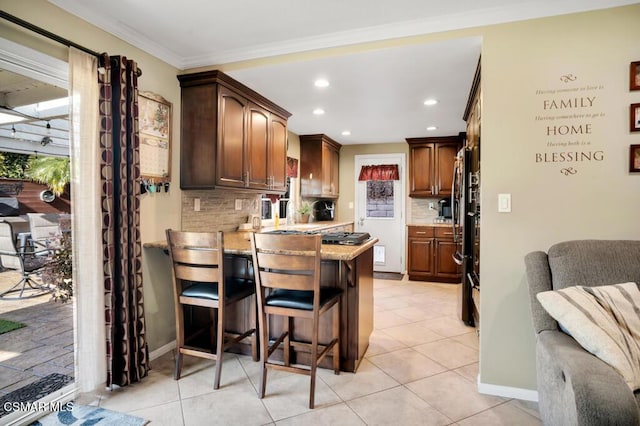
(37,360)
(379,210)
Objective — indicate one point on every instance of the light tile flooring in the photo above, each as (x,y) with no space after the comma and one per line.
(421,369)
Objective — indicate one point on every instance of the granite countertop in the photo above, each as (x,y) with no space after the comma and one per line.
(238,243)
(443,225)
(311,226)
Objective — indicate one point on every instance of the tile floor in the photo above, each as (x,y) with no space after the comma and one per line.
(421,369)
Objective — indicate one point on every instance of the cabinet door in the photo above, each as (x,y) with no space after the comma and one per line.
(445,155)
(445,266)
(422,169)
(421,256)
(335,173)
(327,169)
(256,149)
(278,153)
(230,170)
(198,137)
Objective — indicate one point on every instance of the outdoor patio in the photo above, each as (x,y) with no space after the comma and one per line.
(40,351)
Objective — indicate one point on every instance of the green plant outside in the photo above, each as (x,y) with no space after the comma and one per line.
(54,172)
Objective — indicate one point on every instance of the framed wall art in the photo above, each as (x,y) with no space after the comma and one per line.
(634,76)
(634,118)
(634,159)
(154,120)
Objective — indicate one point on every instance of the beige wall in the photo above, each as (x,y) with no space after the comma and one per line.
(158,211)
(599,201)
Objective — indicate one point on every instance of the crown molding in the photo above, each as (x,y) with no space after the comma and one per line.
(441,23)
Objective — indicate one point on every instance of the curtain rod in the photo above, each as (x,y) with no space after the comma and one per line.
(28,25)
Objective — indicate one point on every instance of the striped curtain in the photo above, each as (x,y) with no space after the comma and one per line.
(127,351)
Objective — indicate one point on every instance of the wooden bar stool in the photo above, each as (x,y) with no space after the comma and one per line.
(197,260)
(287,278)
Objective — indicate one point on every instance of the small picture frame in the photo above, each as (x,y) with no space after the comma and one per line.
(634,76)
(634,118)
(634,159)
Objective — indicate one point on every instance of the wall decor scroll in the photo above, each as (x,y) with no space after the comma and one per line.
(155,136)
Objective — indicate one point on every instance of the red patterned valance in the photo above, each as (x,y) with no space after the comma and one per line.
(292,167)
(273,197)
(380,172)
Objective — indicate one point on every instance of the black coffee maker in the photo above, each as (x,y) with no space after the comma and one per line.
(444,208)
(323,210)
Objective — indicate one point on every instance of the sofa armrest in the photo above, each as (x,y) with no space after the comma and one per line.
(539,280)
(577,388)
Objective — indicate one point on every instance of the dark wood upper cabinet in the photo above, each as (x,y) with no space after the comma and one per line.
(231,136)
(431,163)
(277,164)
(319,166)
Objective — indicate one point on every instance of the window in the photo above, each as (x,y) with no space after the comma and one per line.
(380,198)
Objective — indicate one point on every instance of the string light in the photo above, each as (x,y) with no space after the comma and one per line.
(13,131)
(48,128)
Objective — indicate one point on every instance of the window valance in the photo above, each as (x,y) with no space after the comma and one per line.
(379,172)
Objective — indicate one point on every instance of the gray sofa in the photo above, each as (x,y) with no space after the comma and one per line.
(575,387)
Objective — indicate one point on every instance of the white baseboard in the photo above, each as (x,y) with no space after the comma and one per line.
(508,392)
(162,350)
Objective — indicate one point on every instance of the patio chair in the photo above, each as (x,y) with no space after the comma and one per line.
(29,264)
(43,227)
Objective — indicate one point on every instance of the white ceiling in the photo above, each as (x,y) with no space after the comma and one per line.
(19,96)
(377,95)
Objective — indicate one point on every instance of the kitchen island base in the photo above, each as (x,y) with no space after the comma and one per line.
(355,278)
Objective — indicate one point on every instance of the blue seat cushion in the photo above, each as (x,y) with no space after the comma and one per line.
(298,299)
(234,288)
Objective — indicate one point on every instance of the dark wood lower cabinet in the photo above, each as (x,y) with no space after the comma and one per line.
(430,254)
(354,277)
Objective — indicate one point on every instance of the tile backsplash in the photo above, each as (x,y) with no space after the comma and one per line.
(217,209)
(420,212)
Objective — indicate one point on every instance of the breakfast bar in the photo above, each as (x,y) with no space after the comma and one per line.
(348,267)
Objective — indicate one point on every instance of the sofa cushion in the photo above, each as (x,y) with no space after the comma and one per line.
(594,262)
(605,320)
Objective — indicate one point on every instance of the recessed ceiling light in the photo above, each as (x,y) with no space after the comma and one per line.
(346,133)
(318,111)
(431,128)
(430,102)
(321,82)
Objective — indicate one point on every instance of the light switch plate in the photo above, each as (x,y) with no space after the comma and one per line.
(504,203)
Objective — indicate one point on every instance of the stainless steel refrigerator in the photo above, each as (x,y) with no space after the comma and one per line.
(465,202)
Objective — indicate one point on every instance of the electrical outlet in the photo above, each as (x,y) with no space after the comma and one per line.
(196,204)
(432,206)
(239,204)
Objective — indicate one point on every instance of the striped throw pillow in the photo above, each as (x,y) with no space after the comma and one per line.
(604,320)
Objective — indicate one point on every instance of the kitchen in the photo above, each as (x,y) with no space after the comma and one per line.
(319,180)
